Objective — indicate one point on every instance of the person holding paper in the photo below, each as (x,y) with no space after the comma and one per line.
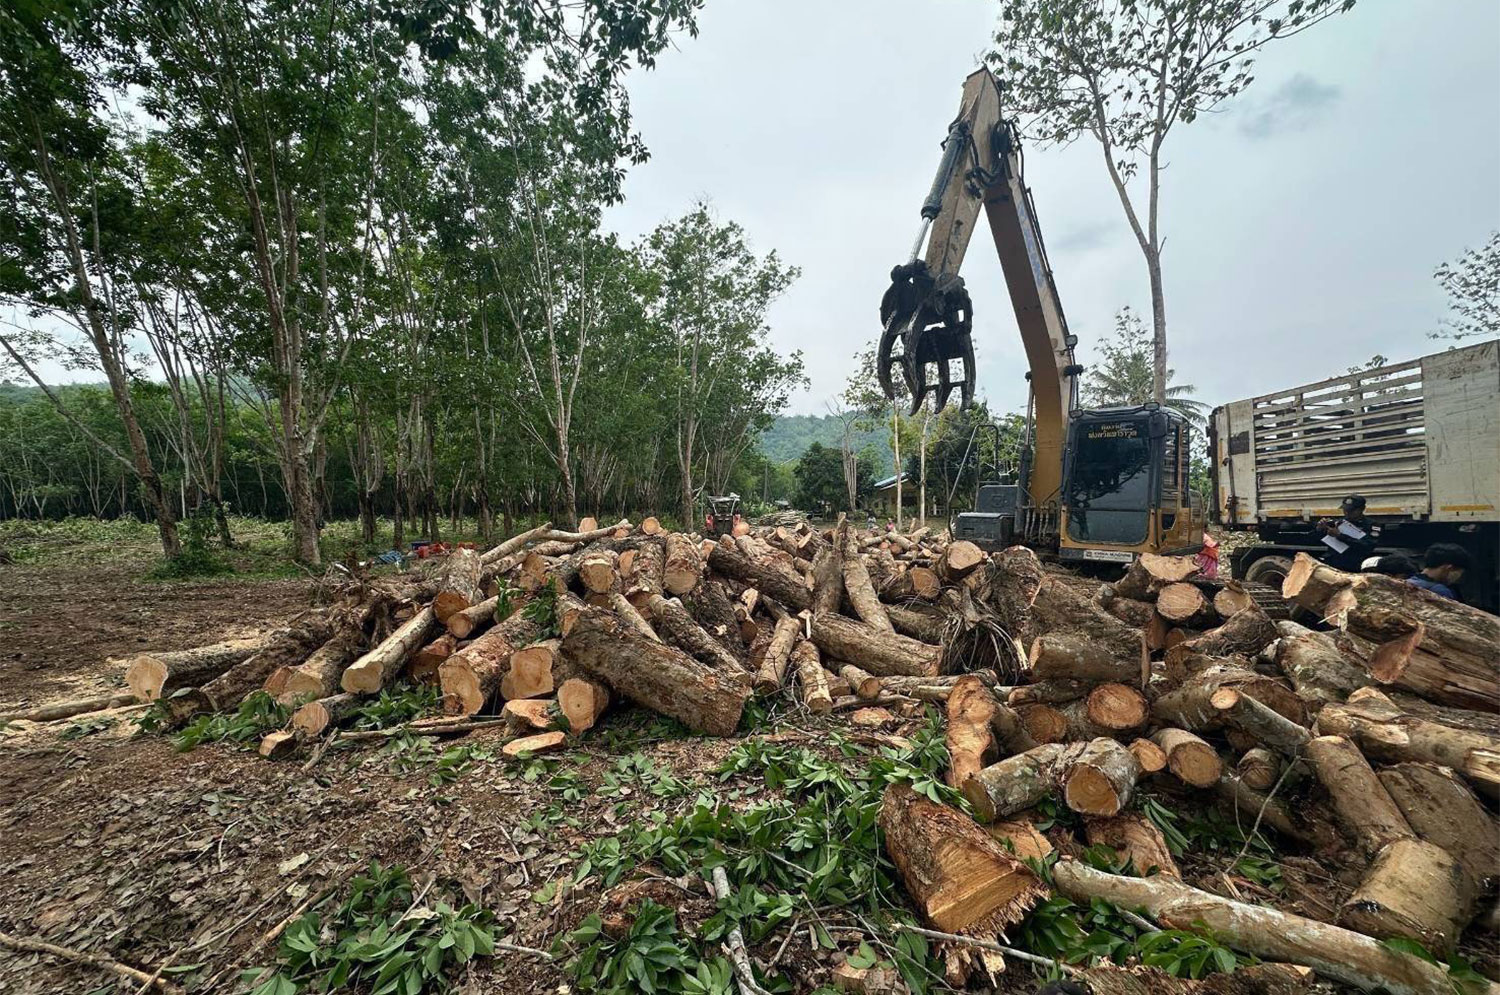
(1350,539)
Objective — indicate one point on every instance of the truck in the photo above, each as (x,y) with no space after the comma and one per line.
(1420,440)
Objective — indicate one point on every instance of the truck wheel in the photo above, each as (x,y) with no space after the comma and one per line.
(1271,570)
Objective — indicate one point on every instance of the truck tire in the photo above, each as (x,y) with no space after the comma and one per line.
(1271,570)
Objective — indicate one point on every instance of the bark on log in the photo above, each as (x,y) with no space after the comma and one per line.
(827,579)
(1317,666)
(1338,953)
(1413,889)
(812,679)
(373,670)
(1191,705)
(464,624)
(647,570)
(1065,656)
(424,663)
(472,676)
(771,579)
(1254,719)
(1443,811)
(1136,837)
(1253,805)
(678,626)
(1259,768)
(1363,807)
(318,675)
(1031,603)
(628,614)
(1054,692)
(1016,783)
(970,711)
(317,717)
(772,672)
(1009,731)
(285,647)
(1100,780)
(1244,634)
(858,586)
(711,607)
(918,625)
(683,567)
(1133,613)
(861,682)
(154,675)
(56,710)
(1384,732)
(582,702)
(655,675)
(1150,572)
(1192,760)
(459,585)
(531,673)
(960,878)
(514,543)
(881,653)
(1437,647)
(1255,979)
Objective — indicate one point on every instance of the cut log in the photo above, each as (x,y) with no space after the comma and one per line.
(371,672)
(1151,757)
(472,676)
(772,672)
(1100,780)
(318,675)
(531,671)
(1192,760)
(710,605)
(921,626)
(582,702)
(1437,647)
(542,742)
(1244,634)
(1255,979)
(1021,838)
(1016,783)
(650,525)
(597,571)
(155,675)
(1413,889)
(53,711)
(280,744)
(770,578)
(1030,603)
(1055,692)
(1442,810)
(1149,573)
(284,647)
(622,607)
(524,716)
(1363,806)
(859,588)
(569,608)
(1065,656)
(424,663)
(647,570)
(317,717)
(861,682)
(959,560)
(1043,723)
(1135,613)
(960,878)
(827,579)
(464,624)
(1116,707)
(1260,723)
(812,679)
(1183,604)
(514,543)
(655,675)
(1384,732)
(1257,807)
(1231,599)
(1009,731)
(1136,837)
(881,653)
(1338,953)
(678,626)
(683,567)
(1259,768)
(1317,665)
(1191,705)
(913,582)
(588,523)
(970,711)
(459,584)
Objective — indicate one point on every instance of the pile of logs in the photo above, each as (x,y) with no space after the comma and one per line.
(1367,738)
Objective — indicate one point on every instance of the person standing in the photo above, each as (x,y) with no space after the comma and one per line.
(1443,567)
(1351,539)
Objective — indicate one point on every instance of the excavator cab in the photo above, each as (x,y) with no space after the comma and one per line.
(1125,485)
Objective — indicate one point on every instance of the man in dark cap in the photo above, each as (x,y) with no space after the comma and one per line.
(1350,539)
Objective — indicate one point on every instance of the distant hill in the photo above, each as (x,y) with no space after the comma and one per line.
(790,435)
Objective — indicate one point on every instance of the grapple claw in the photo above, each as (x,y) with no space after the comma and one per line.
(932,319)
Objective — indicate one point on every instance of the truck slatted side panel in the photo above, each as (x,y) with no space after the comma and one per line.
(1362,432)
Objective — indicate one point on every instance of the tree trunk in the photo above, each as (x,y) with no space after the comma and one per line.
(631,617)
(1257,929)
(1386,733)
(463,624)
(1192,760)
(459,586)
(655,675)
(1100,780)
(960,559)
(582,702)
(318,676)
(773,667)
(683,567)
(285,647)
(423,668)
(773,581)
(1259,768)
(812,680)
(154,675)
(317,717)
(858,587)
(533,671)
(881,653)
(1317,667)
(960,878)
(1184,604)
(1414,889)
(1442,810)
(472,676)
(677,625)
(1150,572)
(376,668)
(1016,783)
(1246,634)
(861,683)
(971,709)
(1363,806)
(1136,837)
(1066,656)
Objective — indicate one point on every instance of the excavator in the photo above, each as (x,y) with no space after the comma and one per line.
(1103,484)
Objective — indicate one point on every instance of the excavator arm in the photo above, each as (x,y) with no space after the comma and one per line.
(926,313)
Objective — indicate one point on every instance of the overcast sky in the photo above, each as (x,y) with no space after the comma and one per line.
(1302,223)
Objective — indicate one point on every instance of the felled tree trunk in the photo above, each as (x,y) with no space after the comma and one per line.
(960,559)
(960,878)
(1338,953)
(1116,707)
(918,625)
(1149,573)
(425,662)
(678,626)
(860,589)
(881,653)
(597,571)
(285,647)
(371,672)
(913,582)
(861,683)
(772,580)
(827,579)
(1363,806)
(463,624)
(1015,783)
(582,702)
(1192,760)
(1437,647)
(1100,780)
(1245,634)
(154,675)
(1442,810)
(1317,667)
(647,571)
(655,675)
(971,709)
(772,672)
(812,679)
(460,584)
(1066,656)
(1031,603)
(1136,837)
(630,616)
(712,608)
(317,717)
(1184,604)
(472,676)
(1386,733)
(1134,613)
(532,672)
(1413,889)
(1259,768)
(318,675)
(683,567)
(1254,805)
